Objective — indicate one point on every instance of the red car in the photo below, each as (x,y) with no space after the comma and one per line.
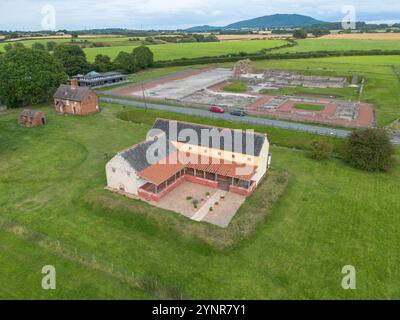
(216,109)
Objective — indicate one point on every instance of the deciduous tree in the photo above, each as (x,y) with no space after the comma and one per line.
(28,77)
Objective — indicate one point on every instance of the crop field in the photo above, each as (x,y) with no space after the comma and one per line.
(191,50)
(48,172)
(321,44)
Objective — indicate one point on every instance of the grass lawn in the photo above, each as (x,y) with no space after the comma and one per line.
(329,216)
(237,86)
(309,107)
(190,50)
(21,277)
(347,93)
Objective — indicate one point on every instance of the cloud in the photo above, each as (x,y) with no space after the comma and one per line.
(171,14)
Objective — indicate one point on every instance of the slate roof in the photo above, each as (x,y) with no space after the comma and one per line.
(68,93)
(136,155)
(259,139)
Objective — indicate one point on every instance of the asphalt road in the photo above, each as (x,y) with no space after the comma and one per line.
(340,133)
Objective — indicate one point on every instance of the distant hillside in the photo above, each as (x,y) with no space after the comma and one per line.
(273,21)
(204,28)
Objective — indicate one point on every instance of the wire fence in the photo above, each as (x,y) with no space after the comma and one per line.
(151,285)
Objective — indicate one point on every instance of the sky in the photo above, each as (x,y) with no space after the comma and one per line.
(173,14)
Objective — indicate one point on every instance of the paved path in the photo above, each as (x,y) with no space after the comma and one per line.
(205,209)
(340,133)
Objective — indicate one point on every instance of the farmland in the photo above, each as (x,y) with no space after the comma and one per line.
(191,50)
(330,215)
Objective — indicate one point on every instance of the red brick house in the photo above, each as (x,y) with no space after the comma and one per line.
(76,100)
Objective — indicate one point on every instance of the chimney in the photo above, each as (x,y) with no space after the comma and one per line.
(74,83)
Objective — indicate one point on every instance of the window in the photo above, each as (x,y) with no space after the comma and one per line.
(190,148)
(128,173)
(90,98)
(233,156)
(219,153)
(249,159)
(205,150)
(113,169)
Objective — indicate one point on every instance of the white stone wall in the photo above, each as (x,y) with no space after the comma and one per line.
(262,162)
(121,176)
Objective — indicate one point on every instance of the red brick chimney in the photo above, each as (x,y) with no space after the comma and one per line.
(74,83)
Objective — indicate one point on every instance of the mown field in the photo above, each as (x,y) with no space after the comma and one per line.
(191,50)
(330,215)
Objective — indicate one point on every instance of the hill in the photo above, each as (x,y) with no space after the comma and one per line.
(272,21)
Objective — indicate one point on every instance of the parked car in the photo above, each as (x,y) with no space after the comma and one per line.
(238,112)
(217,109)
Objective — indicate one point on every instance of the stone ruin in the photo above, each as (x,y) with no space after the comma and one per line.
(242,67)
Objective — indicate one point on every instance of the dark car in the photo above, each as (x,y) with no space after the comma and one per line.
(238,112)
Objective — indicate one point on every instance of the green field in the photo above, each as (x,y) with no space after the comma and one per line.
(310,107)
(329,216)
(309,45)
(191,50)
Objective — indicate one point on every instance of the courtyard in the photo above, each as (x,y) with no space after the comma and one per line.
(194,201)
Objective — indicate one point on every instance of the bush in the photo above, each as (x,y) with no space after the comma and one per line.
(300,34)
(370,150)
(320,150)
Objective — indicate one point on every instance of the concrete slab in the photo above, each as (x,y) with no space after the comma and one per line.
(178,89)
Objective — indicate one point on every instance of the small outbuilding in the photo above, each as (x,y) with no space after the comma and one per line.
(31,118)
(76,100)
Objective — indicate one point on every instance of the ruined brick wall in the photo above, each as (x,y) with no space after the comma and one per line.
(242,67)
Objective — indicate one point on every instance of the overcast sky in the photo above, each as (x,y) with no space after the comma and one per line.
(172,14)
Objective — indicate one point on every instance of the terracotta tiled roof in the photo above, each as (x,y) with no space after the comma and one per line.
(168,167)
